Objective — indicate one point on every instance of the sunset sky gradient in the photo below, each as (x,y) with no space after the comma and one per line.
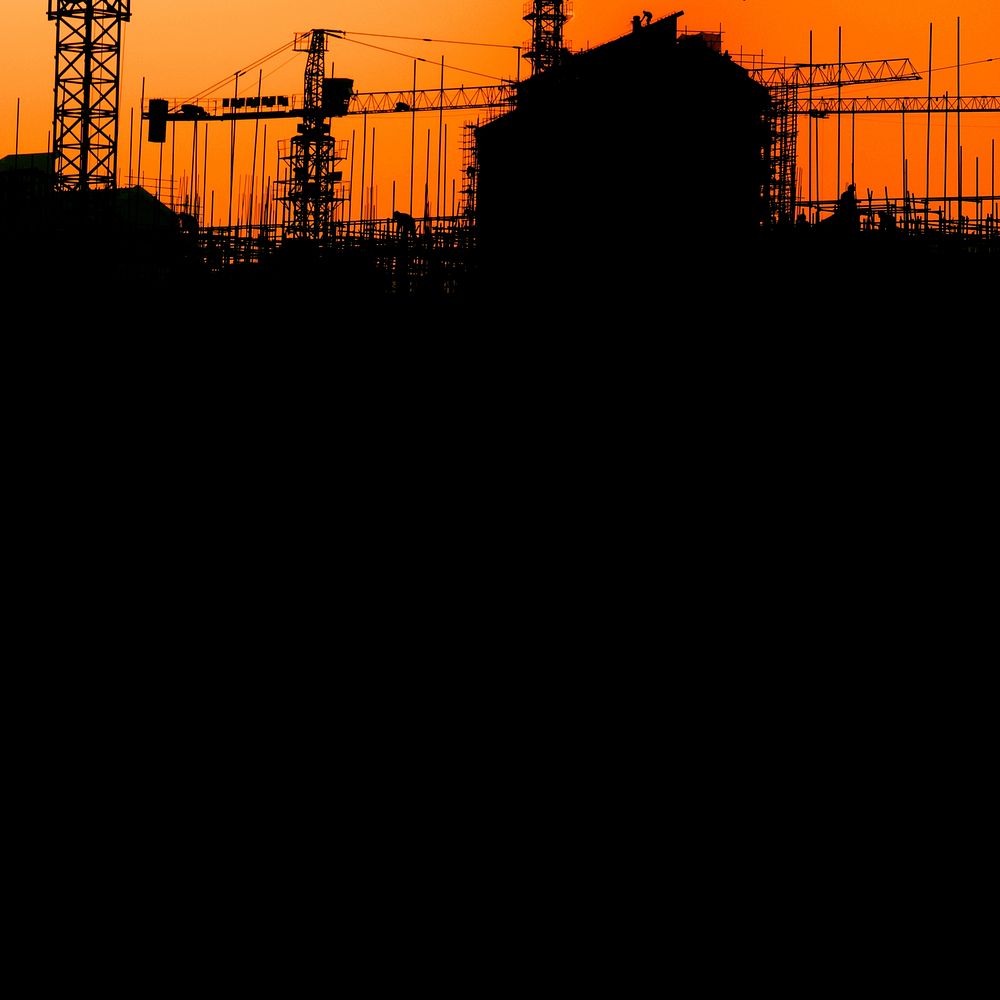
(182,48)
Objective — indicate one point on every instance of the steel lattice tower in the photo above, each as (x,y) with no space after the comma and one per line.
(547,18)
(88,62)
(312,175)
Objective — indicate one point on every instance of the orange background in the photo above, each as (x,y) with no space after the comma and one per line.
(180,49)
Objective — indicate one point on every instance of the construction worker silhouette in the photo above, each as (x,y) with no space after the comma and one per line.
(405,223)
(849,208)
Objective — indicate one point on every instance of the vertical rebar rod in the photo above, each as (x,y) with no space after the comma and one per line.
(278,199)
(263,175)
(413,131)
(979,207)
(427,179)
(958,112)
(232,145)
(809,155)
(350,190)
(960,168)
(192,194)
(853,181)
(142,101)
(906,200)
(817,173)
(927,165)
(364,161)
(902,119)
(437,187)
(173,160)
(947,204)
(371,175)
(204,182)
(840,69)
(256,132)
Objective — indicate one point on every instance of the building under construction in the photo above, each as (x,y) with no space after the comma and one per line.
(702,174)
(695,124)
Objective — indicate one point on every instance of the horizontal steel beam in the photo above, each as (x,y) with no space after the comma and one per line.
(821,107)
(381,102)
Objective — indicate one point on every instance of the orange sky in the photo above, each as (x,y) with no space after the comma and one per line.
(182,48)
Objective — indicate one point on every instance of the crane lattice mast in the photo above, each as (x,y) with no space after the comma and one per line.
(547,18)
(88,64)
(311,185)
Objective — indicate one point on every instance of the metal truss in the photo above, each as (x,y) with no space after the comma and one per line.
(433,100)
(547,19)
(837,74)
(500,97)
(821,107)
(311,188)
(88,62)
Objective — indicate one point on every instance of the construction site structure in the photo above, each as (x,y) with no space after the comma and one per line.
(313,185)
(547,19)
(784,84)
(88,65)
(311,189)
(470,171)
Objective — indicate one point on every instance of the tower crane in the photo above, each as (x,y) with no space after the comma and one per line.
(312,177)
(88,63)
(547,19)
(310,188)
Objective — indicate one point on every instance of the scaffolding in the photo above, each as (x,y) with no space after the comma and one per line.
(470,173)
(782,159)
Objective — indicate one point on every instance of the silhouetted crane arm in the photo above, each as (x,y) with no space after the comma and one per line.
(376,102)
(836,74)
(823,106)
